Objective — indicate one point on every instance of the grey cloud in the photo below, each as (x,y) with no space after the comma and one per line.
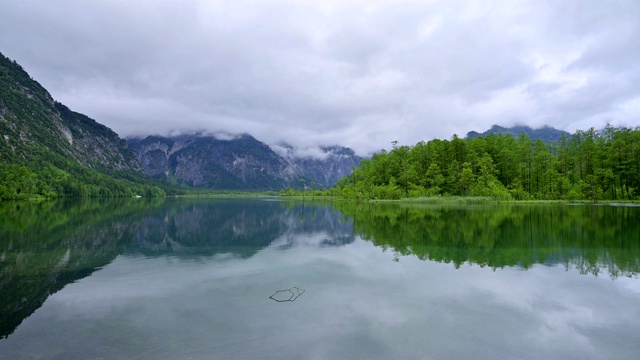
(350,73)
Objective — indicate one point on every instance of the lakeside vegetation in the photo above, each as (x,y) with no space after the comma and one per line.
(45,180)
(589,165)
(44,154)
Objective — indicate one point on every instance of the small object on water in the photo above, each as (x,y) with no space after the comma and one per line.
(290,294)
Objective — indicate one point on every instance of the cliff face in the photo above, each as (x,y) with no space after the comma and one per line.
(95,145)
(204,161)
(239,163)
(32,124)
(333,164)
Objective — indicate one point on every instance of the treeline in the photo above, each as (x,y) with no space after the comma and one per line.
(53,176)
(589,165)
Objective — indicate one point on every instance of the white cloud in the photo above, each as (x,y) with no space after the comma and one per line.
(310,152)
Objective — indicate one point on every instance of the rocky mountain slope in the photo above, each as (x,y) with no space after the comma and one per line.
(546,134)
(32,123)
(240,162)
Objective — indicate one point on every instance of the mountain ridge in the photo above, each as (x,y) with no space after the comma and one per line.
(545,133)
(239,162)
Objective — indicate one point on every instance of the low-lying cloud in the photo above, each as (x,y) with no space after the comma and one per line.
(289,152)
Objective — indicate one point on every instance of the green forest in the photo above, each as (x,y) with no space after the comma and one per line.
(53,176)
(588,165)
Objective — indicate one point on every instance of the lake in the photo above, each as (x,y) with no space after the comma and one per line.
(270,279)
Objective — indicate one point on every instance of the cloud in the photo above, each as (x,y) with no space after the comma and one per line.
(360,74)
(290,152)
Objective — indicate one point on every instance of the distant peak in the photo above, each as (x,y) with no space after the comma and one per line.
(545,133)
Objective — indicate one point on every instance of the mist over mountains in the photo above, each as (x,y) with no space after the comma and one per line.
(65,153)
(546,133)
(49,150)
(240,162)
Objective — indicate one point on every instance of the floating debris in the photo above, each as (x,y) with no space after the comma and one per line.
(290,294)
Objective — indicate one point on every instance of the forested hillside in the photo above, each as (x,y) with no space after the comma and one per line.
(47,150)
(587,165)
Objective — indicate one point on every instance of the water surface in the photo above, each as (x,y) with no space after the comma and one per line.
(195,278)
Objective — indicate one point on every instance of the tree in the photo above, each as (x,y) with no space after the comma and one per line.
(434,179)
(466,179)
(588,165)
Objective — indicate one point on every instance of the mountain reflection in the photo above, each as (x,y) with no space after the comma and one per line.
(44,246)
(590,238)
(203,228)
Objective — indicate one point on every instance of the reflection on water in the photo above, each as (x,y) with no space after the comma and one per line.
(45,246)
(588,238)
(197,278)
(48,245)
(203,228)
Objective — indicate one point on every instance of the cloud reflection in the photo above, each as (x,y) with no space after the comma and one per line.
(358,303)
(207,300)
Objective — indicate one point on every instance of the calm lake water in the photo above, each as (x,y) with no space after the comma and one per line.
(268,279)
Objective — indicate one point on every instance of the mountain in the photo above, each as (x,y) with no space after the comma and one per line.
(205,161)
(546,134)
(239,162)
(324,165)
(48,150)
(31,121)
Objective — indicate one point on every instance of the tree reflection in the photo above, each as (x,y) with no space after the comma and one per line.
(591,239)
(44,246)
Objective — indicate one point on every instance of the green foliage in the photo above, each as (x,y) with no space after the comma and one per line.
(59,178)
(586,166)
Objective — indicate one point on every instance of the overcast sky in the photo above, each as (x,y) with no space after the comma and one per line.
(352,73)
